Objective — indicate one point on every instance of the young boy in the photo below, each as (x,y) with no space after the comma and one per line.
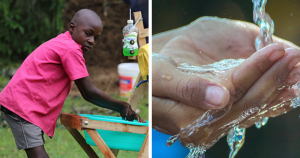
(33,99)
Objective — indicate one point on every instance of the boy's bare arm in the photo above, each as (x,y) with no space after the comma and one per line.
(91,94)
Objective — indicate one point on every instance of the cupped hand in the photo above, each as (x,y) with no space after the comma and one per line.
(210,39)
(180,98)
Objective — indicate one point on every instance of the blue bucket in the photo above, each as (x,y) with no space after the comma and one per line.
(115,139)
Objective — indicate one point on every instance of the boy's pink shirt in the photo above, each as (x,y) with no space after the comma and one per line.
(39,88)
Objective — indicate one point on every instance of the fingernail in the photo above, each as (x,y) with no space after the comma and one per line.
(215,96)
(293,63)
(276,55)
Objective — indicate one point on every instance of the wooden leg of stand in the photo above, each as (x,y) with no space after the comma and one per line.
(115,152)
(100,143)
(144,149)
(81,141)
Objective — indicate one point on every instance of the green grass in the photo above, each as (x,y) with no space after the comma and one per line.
(3,81)
(63,145)
(8,64)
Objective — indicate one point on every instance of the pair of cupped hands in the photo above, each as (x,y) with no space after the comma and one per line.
(247,92)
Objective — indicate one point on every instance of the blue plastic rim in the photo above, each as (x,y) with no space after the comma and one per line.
(115,139)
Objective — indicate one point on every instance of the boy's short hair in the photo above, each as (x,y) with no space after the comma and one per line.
(84,13)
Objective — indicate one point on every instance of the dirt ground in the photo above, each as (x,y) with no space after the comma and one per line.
(106,79)
(103,60)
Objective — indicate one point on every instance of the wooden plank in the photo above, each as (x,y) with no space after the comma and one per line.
(145,148)
(81,141)
(100,143)
(140,26)
(144,33)
(112,126)
(71,120)
(137,94)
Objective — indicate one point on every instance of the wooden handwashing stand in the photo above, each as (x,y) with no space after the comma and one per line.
(138,93)
(73,123)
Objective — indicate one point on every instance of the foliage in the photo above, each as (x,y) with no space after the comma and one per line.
(3,81)
(25,24)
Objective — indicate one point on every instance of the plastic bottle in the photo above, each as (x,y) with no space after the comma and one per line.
(130,32)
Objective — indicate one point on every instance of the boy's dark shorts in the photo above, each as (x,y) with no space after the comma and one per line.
(26,134)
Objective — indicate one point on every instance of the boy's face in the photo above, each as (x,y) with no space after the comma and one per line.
(86,32)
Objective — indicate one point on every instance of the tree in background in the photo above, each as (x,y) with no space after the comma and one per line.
(25,24)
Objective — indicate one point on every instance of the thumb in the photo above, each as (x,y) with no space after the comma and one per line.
(193,90)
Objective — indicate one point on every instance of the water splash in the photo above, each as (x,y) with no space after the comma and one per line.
(235,140)
(296,101)
(263,121)
(216,68)
(210,116)
(196,152)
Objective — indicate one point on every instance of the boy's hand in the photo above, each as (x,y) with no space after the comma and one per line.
(128,114)
(96,96)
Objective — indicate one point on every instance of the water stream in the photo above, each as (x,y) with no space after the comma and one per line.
(266,25)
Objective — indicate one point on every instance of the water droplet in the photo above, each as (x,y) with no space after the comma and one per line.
(280,88)
(172,140)
(261,122)
(167,77)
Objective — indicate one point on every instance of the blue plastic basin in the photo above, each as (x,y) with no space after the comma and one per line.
(115,139)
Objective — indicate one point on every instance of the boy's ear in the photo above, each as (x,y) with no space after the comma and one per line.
(72,27)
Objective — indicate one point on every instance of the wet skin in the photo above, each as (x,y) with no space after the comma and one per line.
(179,102)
